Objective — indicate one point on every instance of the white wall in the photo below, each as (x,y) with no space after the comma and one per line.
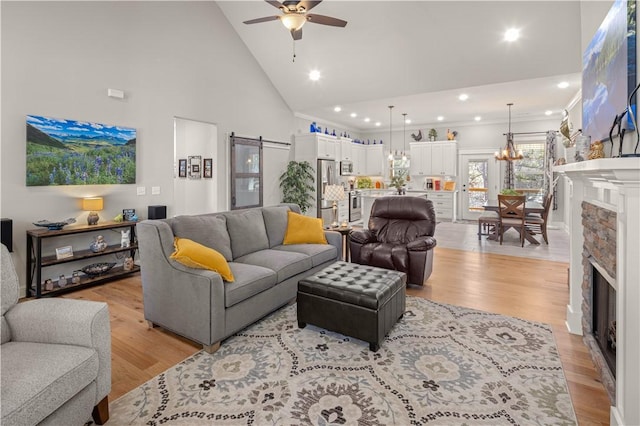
(172,59)
(195,196)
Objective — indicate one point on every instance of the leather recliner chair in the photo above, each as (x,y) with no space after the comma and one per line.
(400,237)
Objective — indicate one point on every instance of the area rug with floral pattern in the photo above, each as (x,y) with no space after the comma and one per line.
(440,364)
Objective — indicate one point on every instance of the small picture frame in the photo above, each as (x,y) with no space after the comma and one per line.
(128,214)
(208,168)
(194,167)
(64,252)
(182,168)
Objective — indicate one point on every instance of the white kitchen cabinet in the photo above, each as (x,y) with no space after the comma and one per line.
(316,145)
(434,158)
(343,211)
(359,160)
(444,204)
(346,149)
(374,160)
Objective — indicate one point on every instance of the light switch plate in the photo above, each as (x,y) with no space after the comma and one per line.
(142,190)
(155,190)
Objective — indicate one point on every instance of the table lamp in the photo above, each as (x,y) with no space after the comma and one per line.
(92,205)
(334,193)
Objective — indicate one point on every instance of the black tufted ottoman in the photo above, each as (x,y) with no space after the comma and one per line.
(355,300)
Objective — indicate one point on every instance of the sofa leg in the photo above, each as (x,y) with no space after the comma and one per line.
(291,302)
(211,348)
(151,325)
(100,412)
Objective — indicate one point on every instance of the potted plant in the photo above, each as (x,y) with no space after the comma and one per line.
(398,182)
(433,134)
(296,184)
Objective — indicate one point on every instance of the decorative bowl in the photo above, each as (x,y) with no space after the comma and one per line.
(54,226)
(96,269)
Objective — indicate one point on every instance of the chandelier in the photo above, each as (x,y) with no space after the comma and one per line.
(509,152)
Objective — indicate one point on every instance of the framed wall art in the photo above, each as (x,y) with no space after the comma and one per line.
(208,168)
(194,166)
(182,168)
(69,152)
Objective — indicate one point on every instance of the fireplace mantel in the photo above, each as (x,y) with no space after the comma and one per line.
(614,184)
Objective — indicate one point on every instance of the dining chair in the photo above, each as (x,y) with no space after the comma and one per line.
(511,214)
(538,223)
(488,224)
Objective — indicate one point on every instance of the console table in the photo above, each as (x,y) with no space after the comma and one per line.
(36,261)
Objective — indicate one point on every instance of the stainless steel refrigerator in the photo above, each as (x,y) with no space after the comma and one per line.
(326,171)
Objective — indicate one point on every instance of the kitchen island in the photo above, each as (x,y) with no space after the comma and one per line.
(368,197)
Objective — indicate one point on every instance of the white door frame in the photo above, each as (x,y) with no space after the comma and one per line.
(494,178)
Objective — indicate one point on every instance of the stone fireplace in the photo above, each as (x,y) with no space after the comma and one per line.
(604,274)
(598,290)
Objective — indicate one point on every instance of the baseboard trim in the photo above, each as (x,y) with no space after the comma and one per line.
(574,321)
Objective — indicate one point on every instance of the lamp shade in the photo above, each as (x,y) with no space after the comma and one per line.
(334,193)
(92,204)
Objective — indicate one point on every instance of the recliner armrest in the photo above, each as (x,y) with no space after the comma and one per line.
(362,236)
(422,244)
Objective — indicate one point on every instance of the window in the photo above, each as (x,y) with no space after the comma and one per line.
(246,173)
(529,173)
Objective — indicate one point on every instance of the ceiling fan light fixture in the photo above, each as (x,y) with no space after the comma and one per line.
(293,21)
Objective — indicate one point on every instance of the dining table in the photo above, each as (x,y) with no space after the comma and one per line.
(530,207)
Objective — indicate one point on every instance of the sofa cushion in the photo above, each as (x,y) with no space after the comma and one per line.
(37,378)
(249,281)
(208,230)
(247,232)
(319,253)
(275,221)
(195,255)
(285,264)
(303,230)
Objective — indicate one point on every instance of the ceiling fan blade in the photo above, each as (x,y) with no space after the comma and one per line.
(308,4)
(265,19)
(325,20)
(297,35)
(275,4)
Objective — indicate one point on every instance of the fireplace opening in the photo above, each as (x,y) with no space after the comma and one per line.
(604,318)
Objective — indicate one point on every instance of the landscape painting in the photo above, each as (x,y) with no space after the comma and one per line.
(69,152)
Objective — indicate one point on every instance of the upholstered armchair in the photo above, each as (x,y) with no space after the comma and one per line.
(55,357)
(400,237)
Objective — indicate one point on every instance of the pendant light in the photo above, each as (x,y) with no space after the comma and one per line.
(404,136)
(509,152)
(390,136)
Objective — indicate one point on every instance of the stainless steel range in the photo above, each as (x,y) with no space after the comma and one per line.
(355,205)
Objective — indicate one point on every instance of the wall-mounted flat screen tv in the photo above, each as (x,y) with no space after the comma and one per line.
(69,152)
(609,71)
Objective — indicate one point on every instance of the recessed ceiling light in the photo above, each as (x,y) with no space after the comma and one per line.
(563,85)
(314,75)
(354,115)
(407,121)
(512,34)
(440,118)
(378,124)
(337,109)
(548,112)
(367,119)
(463,97)
(477,118)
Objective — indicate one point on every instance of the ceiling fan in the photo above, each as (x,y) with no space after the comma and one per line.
(295,14)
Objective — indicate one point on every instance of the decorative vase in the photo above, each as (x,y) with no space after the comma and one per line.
(98,245)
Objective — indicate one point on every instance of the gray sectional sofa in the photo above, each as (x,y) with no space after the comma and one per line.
(197,303)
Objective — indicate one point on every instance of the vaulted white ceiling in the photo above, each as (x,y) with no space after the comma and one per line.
(419,56)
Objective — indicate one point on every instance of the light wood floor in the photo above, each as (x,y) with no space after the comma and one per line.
(525,288)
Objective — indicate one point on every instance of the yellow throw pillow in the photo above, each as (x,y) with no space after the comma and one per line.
(195,255)
(303,230)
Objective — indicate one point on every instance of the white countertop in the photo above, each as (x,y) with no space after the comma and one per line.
(390,193)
